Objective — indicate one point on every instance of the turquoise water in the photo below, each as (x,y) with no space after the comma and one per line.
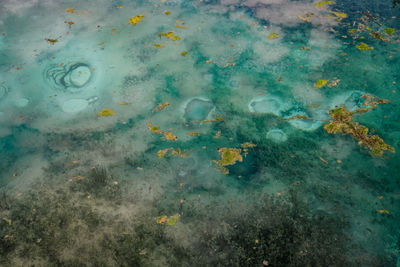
(196,133)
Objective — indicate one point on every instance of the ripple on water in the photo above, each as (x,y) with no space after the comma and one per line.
(69,77)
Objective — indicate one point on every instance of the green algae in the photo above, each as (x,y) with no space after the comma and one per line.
(320,83)
(390,31)
(172,220)
(364,47)
(273,35)
(340,15)
(322,4)
(135,20)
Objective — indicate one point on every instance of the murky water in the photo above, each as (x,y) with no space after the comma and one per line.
(199,133)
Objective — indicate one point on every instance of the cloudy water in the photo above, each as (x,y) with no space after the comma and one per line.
(199,133)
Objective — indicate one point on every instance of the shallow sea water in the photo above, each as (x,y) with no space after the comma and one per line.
(197,133)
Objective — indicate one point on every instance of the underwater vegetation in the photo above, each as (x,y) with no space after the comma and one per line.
(57,228)
(98,183)
(53,229)
(278,233)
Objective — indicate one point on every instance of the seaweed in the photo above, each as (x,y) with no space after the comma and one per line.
(363,47)
(278,232)
(229,156)
(106,112)
(42,227)
(342,122)
(4,201)
(97,183)
(135,20)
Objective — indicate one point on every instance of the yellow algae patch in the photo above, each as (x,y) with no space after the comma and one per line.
(373,101)
(273,35)
(162,153)
(229,156)
(135,20)
(341,15)
(106,112)
(342,122)
(161,106)
(70,10)
(180,26)
(153,128)
(7,220)
(184,53)
(170,136)
(173,219)
(383,211)
(363,46)
(50,41)
(162,219)
(320,83)
(156,129)
(214,120)
(322,4)
(167,35)
(307,17)
(296,117)
(167,13)
(159,45)
(172,152)
(120,6)
(390,31)
(70,23)
(193,133)
(247,145)
(124,103)
(333,83)
(217,135)
(178,152)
